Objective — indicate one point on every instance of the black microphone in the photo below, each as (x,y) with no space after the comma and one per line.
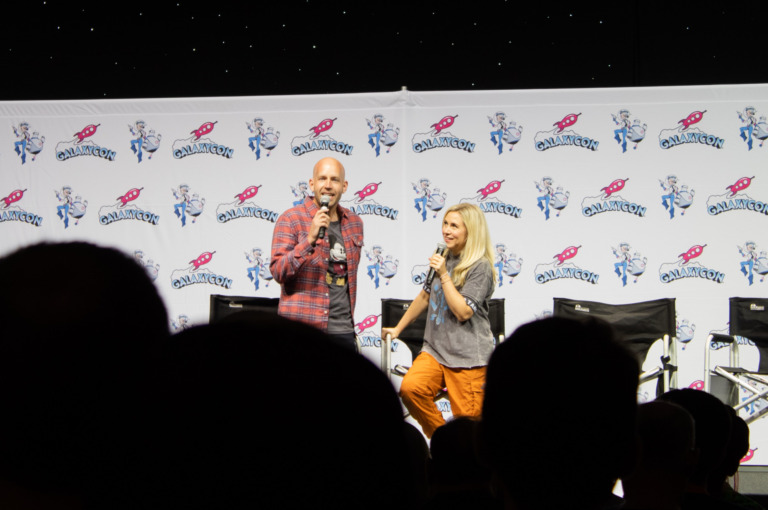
(323,205)
(441,250)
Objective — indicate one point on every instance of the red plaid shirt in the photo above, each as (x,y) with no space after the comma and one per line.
(300,268)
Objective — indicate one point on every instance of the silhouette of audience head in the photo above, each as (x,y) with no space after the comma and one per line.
(79,290)
(457,476)
(103,409)
(259,410)
(454,455)
(538,433)
(736,448)
(80,323)
(666,459)
(667,437)
(712,424)
(415,464)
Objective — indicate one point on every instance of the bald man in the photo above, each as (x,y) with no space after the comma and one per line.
(315,254)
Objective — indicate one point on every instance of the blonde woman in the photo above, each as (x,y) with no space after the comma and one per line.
(457,339)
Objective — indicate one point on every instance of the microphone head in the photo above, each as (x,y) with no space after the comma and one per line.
(442,248)
(325,200)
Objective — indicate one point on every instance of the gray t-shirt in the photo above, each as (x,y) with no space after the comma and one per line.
(340,313)
(457,344)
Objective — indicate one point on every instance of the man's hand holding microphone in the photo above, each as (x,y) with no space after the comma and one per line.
(320,222)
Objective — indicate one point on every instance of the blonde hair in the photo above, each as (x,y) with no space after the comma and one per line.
(478,245)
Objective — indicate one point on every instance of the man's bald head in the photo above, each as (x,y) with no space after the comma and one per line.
(329,179)
(331,163)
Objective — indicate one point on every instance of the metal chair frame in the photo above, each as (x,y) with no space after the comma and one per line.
(748,318)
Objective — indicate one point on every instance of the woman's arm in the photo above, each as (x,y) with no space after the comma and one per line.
(455,301)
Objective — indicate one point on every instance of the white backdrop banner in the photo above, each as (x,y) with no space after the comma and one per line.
(612,195)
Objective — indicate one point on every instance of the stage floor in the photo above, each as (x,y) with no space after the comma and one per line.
(751,480)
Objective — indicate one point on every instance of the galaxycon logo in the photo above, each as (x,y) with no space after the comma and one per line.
(733,200)
(400,364)
(558,269)
(683,268)
(180,323)
(262,139)
(122,210)
(751,127)
(369,338)
(428,199)
(629,264)
(152,269)
(560,137)
(244,207)
(507,264)
(419,274)
(366,323)
(552,198)
(196,144)
(10,212)
(439,138)
(143,141)
(386,135)
(607,202)
(504,132)
(364,206)
(685,134)
(27,142)
(187,204)
(684,331)
(81,145)
(444,406)
(629,130)
(258,268)
(314,141)
(381,266)
(494,205)
(753,262)
(675,195)
(193,274)
(73,207)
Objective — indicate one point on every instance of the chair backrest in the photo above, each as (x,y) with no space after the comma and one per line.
(637,324)
(221,305)
(392,310)
(749,318)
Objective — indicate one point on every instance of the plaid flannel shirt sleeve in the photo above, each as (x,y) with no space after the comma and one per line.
(290,248)
(300,269)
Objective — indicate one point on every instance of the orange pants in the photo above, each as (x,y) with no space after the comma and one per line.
(423,381)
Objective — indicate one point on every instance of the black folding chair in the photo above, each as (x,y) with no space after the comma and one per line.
(221,305)
(748,325)
(638,325)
